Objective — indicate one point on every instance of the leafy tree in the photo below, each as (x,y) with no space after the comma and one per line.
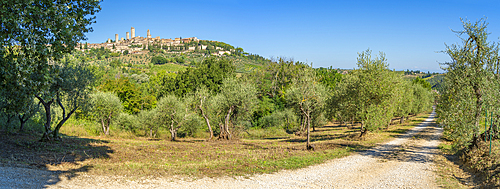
(405,99)
(329,77)
(236,102)
(68,90)
(374,91)
(34,34)
(342,104)
(200,104)
(133,99)
(308,97)
(210,73)
(423,99)
(115,63)
(149,122)
(469,83)
(159,60)
(173,113)
(105,107)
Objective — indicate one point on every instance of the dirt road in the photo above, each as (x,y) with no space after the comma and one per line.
(405,162)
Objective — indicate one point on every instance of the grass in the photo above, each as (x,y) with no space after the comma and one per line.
(472,169)
(193,156)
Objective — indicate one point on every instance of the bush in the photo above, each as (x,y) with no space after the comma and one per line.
(191,127)
(127,122)
(159,60)
(285,119)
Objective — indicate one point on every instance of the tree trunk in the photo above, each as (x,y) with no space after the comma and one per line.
(64,118)
(48,118)
(173,131)
(206,120)
(224,133)
(479,104)
(103,126)
(308,133)
(402,120)
(363,130)
(22,122)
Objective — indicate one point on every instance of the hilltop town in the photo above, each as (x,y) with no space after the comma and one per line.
(138,45)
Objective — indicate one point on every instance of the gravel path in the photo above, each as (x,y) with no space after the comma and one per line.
(405,162)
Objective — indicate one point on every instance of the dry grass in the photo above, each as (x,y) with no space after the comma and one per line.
(193,157)
(472,169)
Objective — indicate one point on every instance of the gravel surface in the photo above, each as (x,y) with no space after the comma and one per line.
(405,162)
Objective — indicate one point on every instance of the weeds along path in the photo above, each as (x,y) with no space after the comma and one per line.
(405,162)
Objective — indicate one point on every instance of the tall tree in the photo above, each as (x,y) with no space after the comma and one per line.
(236,102)
(69,90)
(200,104)
(468,82)
(373,92)
(210,73)
(308,96)
(34,35)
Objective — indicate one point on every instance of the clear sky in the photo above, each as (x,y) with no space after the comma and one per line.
(326,33)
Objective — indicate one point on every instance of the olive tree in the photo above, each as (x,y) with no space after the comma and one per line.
(173,113)
(34,35)
(307,96)
(235,102)
(468,82)
(105,107)
(68,90)
(373,92)
(200,103)
(342,104)
(405,99)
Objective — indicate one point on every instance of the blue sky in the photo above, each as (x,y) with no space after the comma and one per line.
(326,33)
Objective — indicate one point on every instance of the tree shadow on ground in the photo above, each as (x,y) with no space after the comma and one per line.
(25,151)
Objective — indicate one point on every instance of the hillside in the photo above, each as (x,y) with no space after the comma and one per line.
(147,60)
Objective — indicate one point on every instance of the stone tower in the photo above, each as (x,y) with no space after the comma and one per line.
(132,31)
(109,40)
(149,34)
(128,35)
(116,38)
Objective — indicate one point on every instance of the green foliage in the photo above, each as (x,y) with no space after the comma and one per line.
(106,107)
(159,60)
(436,82)
(149,122)
(127,122)
(374,91)
(308,97)
(373,94)
(115,63)
(235,104)
(133,99)
(329,77)
(210,73)
(470,84)
(173,113)
(422,82)
(34,35)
